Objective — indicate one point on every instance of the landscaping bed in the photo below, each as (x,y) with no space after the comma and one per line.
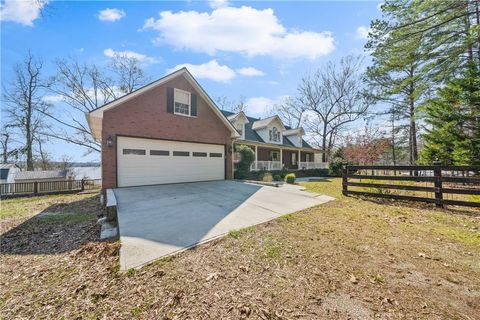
(347,259)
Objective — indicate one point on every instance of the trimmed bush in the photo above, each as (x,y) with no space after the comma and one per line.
(277,177)
(247,156)
(267,177)
(290,178)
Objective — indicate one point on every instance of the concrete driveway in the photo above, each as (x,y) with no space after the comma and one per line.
(156,221)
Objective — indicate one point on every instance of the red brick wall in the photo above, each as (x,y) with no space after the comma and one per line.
(146,116)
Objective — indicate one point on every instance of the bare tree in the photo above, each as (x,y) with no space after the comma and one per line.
(130,76)
(42,159)
(332,98)
(230,105)
(5,140)
(84,88)
(25,106)
(291,111)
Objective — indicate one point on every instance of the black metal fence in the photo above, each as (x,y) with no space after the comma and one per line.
(48,187)
(441,185)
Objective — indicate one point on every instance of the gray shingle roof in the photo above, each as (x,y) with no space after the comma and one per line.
(252,135)
(39,175)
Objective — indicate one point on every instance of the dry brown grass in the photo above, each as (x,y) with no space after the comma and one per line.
(348,259)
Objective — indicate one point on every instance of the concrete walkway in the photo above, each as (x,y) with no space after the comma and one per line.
(156,221)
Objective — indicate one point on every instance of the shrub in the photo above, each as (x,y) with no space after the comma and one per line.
(277,177)
(335,167)
(267,177)
(247,156)
(290,178)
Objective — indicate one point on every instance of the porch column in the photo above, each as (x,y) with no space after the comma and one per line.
(281,158)
(256,157)
(298,161)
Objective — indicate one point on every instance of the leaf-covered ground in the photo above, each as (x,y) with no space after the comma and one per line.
(347,259)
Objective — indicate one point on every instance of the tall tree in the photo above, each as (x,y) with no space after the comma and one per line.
(454,118)
(332,98)
(83,88)
(25,106)
(397,75)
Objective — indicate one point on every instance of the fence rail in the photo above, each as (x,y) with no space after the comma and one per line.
(440,182)
(44,187)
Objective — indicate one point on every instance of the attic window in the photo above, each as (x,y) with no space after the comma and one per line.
(182,102)
(274,135)
(239,127)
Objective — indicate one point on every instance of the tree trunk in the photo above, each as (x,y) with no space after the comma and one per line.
(477,12)
(28,132)
(394,160)
(324,142)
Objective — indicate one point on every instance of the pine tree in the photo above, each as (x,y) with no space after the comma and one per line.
(454,119)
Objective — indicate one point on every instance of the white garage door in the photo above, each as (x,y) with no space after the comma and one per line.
(146,161)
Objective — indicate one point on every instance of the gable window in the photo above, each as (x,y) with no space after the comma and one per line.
(239,127)
(182,102)
(274,134)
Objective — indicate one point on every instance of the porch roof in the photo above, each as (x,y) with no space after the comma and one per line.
(251,135)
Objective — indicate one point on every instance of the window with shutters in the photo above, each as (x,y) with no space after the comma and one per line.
(181,102)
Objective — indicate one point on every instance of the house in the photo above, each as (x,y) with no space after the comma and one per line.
(41,176)
(7,172)
(171,131)
(276,146)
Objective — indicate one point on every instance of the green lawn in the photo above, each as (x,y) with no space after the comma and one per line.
(25,206)
(348,259)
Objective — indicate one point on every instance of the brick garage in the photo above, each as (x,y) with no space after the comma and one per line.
(145,115)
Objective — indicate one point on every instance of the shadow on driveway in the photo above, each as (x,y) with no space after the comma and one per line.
(156,221)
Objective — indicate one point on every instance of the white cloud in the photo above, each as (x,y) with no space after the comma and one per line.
(52,98)
(21,11)
(215,4)
(130,54)
(111,14)
(250,72)
(211,70)
(260,106)
(244,30)
(214,71)
(362,32)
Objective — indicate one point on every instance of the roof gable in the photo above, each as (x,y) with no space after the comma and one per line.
(94,118)
(263,123)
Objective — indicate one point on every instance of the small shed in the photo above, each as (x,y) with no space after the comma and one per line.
(40,176)
(8,172)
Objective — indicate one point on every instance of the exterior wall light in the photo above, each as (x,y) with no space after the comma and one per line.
(110,142)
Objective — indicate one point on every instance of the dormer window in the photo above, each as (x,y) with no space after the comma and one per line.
(274,134)
(182,102)
(239,126)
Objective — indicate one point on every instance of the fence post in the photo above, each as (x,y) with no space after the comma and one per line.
(437,172)
(35,187)
(344,179)
(83,185)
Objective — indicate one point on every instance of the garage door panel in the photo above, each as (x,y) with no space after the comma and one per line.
(144,168)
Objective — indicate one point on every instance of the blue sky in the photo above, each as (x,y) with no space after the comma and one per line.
(255,50)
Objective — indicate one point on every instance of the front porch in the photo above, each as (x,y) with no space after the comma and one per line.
(272,159)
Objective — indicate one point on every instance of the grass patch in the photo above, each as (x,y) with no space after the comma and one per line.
(66,217)
(26,206)
(236,234)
